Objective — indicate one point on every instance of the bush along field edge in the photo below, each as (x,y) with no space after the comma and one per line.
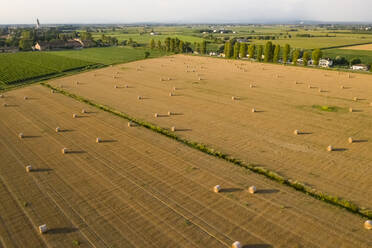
(298,186)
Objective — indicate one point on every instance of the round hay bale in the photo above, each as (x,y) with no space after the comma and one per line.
(126,86)
(170,94)
(217,188)
(173,129)
(252,86)
(320,90)
(161,79)
(139,97)
(83,111)
(25,97)
(329,148)
(355,99)
(43,229)
(115,86)
(253,110)
(342,87)
(296,132)
(169,113)
(21,136)
(169,79)
(368,224)
(1,96)
(98,140)
(236,244)
(174,88)
(351,110)
(58,129)
(200,79)
(350,140)
(309,86)
(64,150)
(5,105)
(28,168)
(77,82)
(52,91)
(296,82)
(156,115)
(130,124)
(252,189)
(74,116)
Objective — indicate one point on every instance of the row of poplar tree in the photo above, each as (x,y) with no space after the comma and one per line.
(176,45)
(270,53)
(235,50)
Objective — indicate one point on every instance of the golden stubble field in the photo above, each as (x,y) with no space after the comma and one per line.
(205,112)
(140,189)
(367,47)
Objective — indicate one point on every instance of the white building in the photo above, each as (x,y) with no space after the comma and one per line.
(326,63)
(360,67)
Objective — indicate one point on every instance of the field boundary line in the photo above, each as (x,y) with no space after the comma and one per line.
(272,175)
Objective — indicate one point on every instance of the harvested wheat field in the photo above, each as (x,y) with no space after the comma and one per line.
(367,47)
(136,188)
(250,111)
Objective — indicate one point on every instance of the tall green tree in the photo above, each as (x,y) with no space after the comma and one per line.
(295,56)
(181,47)
(276,54)
(197,48)
(228,50)
(243,50)
(259,52)
(158,46)
(172,45)
(25,44)
(203,47)
(286,51)
(268,51)
(251,50)
(152,44)
(305,58)
(167,44)
(316,56)
(236,50)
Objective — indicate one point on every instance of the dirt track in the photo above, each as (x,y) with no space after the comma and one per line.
(140,189)
(208,114)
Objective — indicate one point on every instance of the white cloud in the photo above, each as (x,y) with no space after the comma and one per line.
(97,11)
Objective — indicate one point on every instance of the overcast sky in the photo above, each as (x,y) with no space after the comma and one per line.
(189,11)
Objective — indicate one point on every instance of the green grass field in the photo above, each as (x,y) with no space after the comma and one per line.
(26,67)
(23,66)
(108,55)
(364,56)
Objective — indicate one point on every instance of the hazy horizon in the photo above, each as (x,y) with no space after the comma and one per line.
(176,11)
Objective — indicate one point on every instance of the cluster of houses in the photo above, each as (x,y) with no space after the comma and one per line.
(62,44)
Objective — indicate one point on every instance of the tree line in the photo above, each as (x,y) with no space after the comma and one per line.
(176,45)
(270,53)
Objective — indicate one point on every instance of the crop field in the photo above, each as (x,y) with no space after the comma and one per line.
(367,47)
(137,188)
(316,42)
(109,55)
(29,65)
(205,112)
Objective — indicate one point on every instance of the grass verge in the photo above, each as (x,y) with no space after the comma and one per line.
(334,200)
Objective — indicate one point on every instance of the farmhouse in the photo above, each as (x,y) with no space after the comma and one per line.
(57,44)
(86,43)
(360,67)
(325,63)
